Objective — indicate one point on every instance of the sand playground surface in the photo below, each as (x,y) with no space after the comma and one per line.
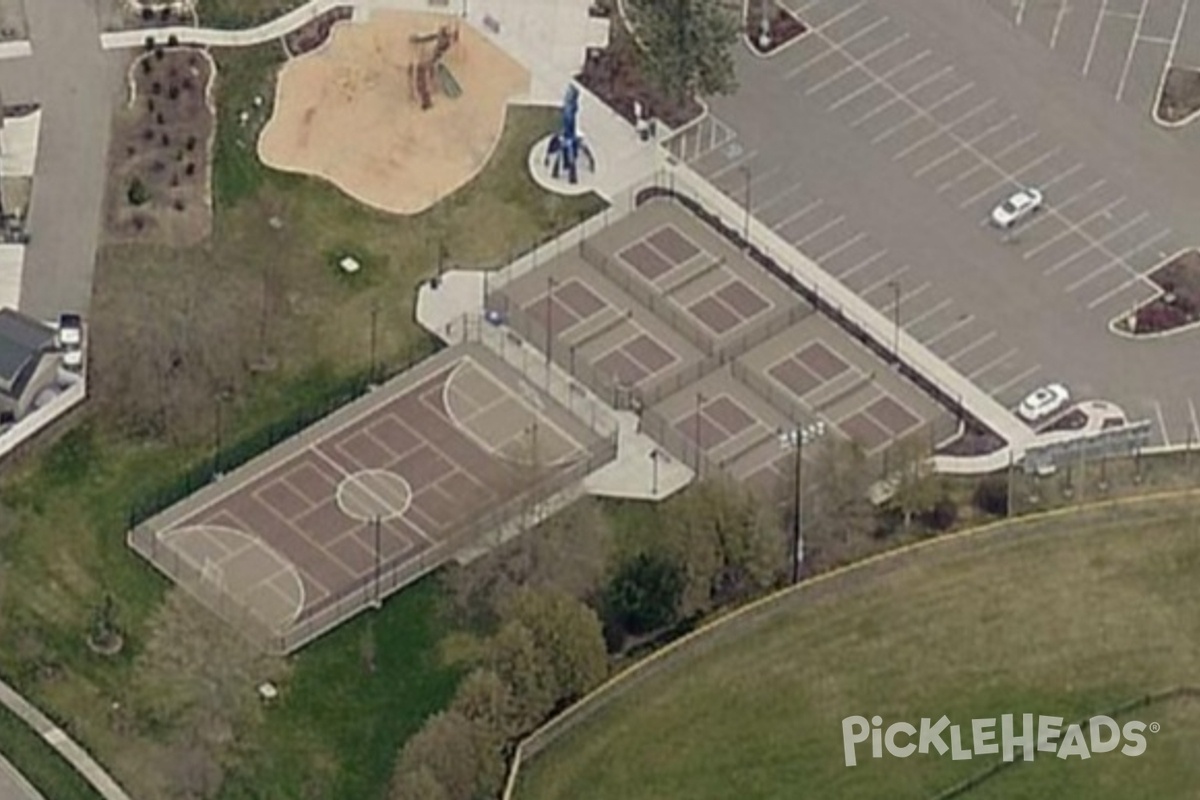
(346,112)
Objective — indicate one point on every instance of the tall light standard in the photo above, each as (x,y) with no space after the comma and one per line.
(796,438)
(654,473)
(746,225)
(896,318)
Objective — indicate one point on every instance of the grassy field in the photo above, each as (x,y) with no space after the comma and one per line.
(44,768)
(1069,616)
(65,512)
(241,13)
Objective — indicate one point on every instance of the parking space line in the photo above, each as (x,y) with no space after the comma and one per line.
(961,118)
(1153,40)
(924,315)
(864,31)
(741,160)
(993,187)
(1141,17)
(964,320)
(795,215)
(796,70)
(937,162)
(1066,232)
(1113,292)
(879,51)
(966,87)
(1195,436)
(846,245)
(757,208)
(1013,381)
(1020,13)
(1072,199)
(1019,143)
(1087,61)
(999,126)
(892,130)
(924,140)
(840,16)
(827,226)
(884,281)
(905,297)
(972,346)
(1162,424)
(882,106)
(1095,242)
(1114,263)
(1058,19)
(819,85)
(995,362)
(866,262)
(1063,175)
(928,79)
(1183,10)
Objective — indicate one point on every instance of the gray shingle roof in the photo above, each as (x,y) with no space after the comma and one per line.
(21,338)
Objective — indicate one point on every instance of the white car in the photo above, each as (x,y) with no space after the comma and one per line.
(1017,207)
(1042,402)
(70,340)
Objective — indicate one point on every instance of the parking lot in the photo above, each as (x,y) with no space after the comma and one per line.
(902,147)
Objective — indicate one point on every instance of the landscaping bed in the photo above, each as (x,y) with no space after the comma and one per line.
(784,27)
(160,151)
(1180,94)
(314,34)
(1073,420)
(972,442)
(1177,306)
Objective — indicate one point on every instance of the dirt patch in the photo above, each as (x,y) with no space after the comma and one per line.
(783,27)
(1180,95)
(158,191)
(1178,305)
(349,113)
(614,75)
(312,35)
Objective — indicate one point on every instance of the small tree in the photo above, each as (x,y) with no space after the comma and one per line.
(645,592)
(918,488)
(688,46)
(137,194)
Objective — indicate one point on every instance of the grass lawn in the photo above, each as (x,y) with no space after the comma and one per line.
(62,531)
(1070,616)
(241,13)
(41,765)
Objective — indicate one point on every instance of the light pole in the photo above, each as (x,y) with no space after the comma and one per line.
(746,224)
(797,437)
(654,473)
(896,318)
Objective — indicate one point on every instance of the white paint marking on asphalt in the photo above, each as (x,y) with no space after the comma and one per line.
(905,297)
(847,98)
(996,186)
(1020,14)
(833,223)
(928,79)
(1141,18)
(924,140)
(795,215)
(1195,437)
(1123,260)
(1087,62)
(840,16)
(882,106)
(819,85)
(863,32)
(759,207)
(1062,217)
(966,87)
(1113,292)
(1033,251)
(884,281)
(962,176)
(1153,40)
(1063,175)
(1058,18)
(866,262)
(999,126)
(924,315)
(1013,381)
(892,130)
(961,118)
(966,319)
(991,365)
(741,160)
(1019,143)
(1162,423)
(1094,245)
(846,245)
(937,162)
(794,71)
(1183,10)
(982,340)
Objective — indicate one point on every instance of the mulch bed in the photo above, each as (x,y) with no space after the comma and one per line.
(973,442)
(1179,304)
(1073,421)
(1180,94)
(613,75)
(785,26)
(313,34)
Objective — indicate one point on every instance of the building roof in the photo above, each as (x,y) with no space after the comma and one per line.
(22,340)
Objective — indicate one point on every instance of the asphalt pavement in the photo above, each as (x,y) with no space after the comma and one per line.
(878,143)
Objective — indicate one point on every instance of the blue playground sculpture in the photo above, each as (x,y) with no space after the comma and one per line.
(567,145)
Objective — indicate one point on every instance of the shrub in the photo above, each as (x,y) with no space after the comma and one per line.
(137,194)
(991,495)
(645,593)
(942,516)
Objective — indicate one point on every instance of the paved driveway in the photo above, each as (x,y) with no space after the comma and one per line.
(78,86)
(878,144)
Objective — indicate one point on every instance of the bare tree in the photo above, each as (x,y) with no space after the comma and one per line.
(418,783)
(453,756)
(917,488)
(837,511)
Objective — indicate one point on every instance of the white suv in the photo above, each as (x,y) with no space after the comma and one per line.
(1017,207)
(1043,402)
(70,341)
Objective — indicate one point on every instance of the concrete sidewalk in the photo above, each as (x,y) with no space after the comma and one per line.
(75,755)
(14,786)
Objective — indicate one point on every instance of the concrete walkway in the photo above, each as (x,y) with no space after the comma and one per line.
(13,785)
(75,755)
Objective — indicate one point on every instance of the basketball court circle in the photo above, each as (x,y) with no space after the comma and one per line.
(503,422)
(241,565)
(374,494)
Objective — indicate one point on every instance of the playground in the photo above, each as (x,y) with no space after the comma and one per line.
(397,112)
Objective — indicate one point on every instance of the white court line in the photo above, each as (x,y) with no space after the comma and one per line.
(866,262)
(991,365)
(972,346)
(1141,17)
(819,85)
(847,98)
(846,245)
(924,315)
(758,207)
(837,17)
(995,186)
(741,160)
(884,281)
(1162,424)
(827,226)
(1087,62)
(1195,424)
(795,215)
(967,320)
(1100,270)
(1058,19)
(1013,381)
